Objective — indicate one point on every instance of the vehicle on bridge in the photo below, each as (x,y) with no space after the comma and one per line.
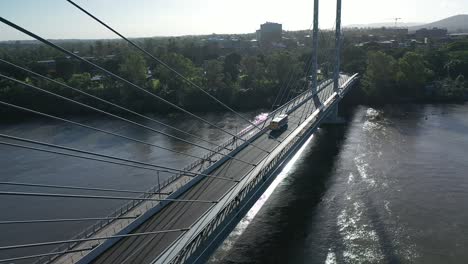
(279,122)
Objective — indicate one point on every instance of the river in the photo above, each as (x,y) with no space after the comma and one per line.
(29,166)
(391,186)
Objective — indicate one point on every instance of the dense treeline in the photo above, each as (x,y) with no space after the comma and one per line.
(242,77)
(425,74)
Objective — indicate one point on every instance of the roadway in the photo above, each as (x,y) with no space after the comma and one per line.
(145,249)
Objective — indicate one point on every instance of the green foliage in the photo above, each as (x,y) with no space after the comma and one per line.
(133,67)
(424,74)
(80,81)
(451,90)
(214,76)
(354,59)
(379,79)
(241,77)
(412,75)
(457,63)
(231,66)
(458,46)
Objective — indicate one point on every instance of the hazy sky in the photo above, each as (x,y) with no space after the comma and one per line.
(57,19)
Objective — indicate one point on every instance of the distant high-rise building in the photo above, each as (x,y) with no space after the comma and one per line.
(269,33)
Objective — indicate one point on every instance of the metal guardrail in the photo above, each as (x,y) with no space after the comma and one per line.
(234,202)
(245,134)
(203,234)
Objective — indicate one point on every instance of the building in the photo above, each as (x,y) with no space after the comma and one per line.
(47,66)
(434,33)
(269,33)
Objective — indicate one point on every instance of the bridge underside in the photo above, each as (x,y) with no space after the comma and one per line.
(175,247)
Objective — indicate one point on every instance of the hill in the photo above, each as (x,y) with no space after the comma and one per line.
(454,24)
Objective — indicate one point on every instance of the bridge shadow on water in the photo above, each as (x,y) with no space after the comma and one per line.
(277,233)
(294,226)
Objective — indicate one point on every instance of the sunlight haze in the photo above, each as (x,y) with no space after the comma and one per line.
(57,19)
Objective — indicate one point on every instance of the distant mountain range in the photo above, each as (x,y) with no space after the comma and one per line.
(454,24)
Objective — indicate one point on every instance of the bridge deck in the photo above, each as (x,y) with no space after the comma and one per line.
(181,215)
(145,249)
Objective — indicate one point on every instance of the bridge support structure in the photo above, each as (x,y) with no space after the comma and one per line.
(317,102)
(338,38)
(212,228)
(333,118)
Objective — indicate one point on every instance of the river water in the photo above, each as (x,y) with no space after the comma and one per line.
(23,165)
(389,187)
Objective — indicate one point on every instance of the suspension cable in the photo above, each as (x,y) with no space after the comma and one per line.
(103,197)
(162,63)
(64,220)
(245,175)
(280,91)
(146,243)
(99,130)
(264,160)
(187,173)
(46,254)
(305,106)
(77,188)
(289,88)
(71,54)
(165,169)
(118,117)
(112,104)
(81,157)
(91,239)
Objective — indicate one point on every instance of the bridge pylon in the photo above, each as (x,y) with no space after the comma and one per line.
(338,38)
(333,117)
(317,102)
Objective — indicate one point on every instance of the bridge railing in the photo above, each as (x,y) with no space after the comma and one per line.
(246,134)
(231,206)
(96,227)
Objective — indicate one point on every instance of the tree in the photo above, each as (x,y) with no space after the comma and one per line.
(412,75)
(453,90)
(354,59)
(174,88)
(459,65)
(380,75)
(133,67)
(80,81)
(214,76)
(65,67)
(253,70)
(99,48)
(437,61)
(280,66)
(232,65)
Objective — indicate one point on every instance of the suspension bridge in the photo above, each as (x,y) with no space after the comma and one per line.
(185,216)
